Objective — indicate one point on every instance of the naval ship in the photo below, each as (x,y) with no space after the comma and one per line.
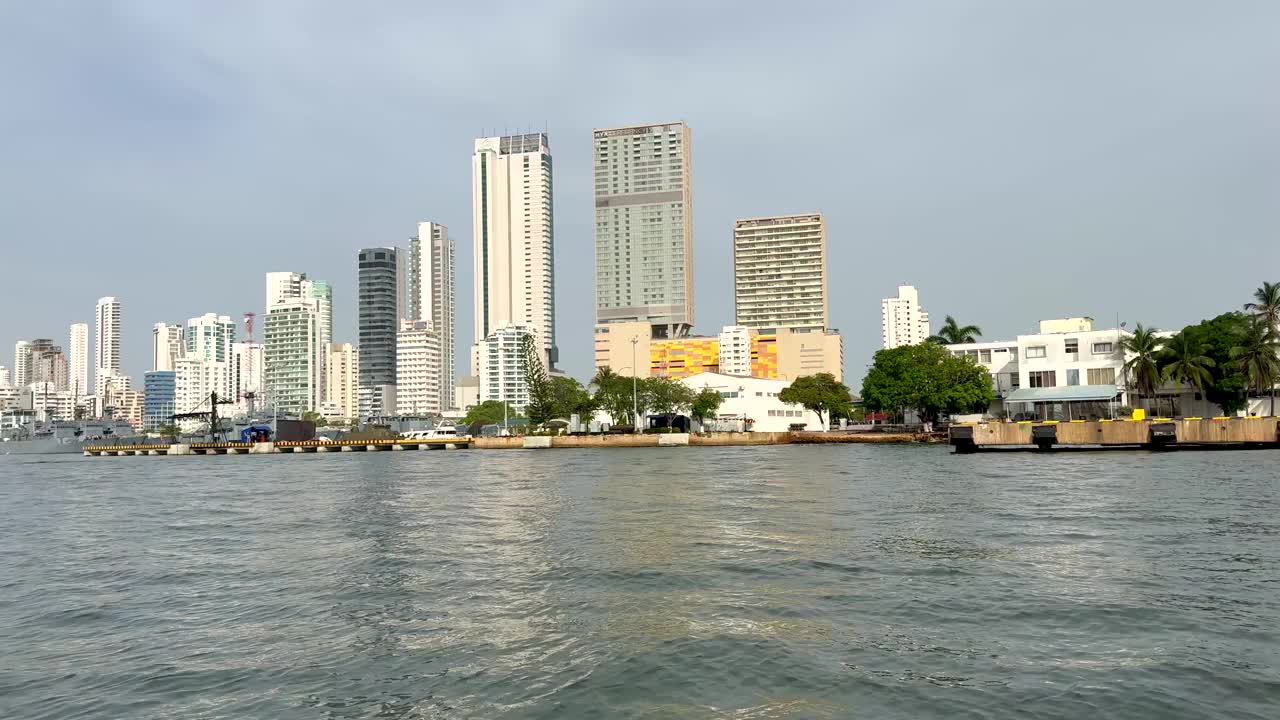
(66,436)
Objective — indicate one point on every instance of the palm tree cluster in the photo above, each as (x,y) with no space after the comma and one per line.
(1154,360)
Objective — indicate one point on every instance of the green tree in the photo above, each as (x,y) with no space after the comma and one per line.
(820,393)
(705,404)
(1229,383)
(613,395)
(1184,361)
(1257,357)
(926,378)
(568,397)
(953,333)
(541,407)
(313,417)
(666,396)
(1143,368)
(489,412)
(1266,305)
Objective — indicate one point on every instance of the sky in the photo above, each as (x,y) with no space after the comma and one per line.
(1015,160)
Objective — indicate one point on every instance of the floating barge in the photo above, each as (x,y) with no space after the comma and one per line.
(1155,433)
(286,446)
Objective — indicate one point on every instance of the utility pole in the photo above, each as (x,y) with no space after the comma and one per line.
(635,393)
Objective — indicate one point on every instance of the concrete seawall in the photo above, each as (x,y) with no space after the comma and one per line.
(718,439)
(1157,432)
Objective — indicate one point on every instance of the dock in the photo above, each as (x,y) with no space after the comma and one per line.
(286,446)
(1154,433)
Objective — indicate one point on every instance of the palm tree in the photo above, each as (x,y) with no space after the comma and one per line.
(1143,347)
(1266,305)
(1186,364)
(1257,357)
(953,333)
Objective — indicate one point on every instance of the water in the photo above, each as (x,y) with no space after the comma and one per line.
(772,582)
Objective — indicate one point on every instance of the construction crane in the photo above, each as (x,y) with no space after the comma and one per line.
(251,396)
(210,415)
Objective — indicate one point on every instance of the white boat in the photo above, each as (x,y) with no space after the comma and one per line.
(443,432)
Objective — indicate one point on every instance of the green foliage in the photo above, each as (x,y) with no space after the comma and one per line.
(705,404)
(1266,305)
(568,397)
(613,395)
(953,333)
(489,412)
(1143,367)
(313,417)
(1216,338)
(928,379)
(541,407)
(664,395)
(822,394)
(1256,356)
(1184,361)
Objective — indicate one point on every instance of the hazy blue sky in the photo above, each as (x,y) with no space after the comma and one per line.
(1015,160)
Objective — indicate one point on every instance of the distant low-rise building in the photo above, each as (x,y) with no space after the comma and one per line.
(752,404)
(776,353)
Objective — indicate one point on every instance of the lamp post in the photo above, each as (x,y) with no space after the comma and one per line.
(635,393)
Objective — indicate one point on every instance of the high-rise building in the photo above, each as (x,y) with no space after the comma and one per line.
(209,337)
(342,377)
(780,272)
(78,347)
(320,294)
(513,237)
(383,290)
(644,227)
(431,294)
(6,380)
(167,345)
(902,320)
(777,353)
(418,369)
(106,347)
(292,356)
(735,350)
(22,364)
(282,286)
(195,379)
(159,387)
(500,359)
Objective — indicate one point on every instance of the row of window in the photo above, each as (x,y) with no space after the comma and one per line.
(1049,378)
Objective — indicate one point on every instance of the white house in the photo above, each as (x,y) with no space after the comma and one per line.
(752,404)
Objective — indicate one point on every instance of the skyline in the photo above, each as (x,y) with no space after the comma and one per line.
(1010,164)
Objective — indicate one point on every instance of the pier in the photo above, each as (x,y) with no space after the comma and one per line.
(265,448)
(1155,433)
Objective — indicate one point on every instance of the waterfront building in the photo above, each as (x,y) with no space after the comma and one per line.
(342,376)
(246,377)
(383,297)
(902,320)
(159,392)
(167,345)
(106,349)
(292,356)
(431,294)
(783,353)
(195,379)
(752,404)
(418,361)
(500,358)
(209,337)
(644,227)
(78,360)
(780,272)
(513,239)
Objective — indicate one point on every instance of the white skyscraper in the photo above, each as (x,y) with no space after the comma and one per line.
(78,349)
(166,346)
(902,320)
(341,380)
(418,369)
(106,348)
(195,379)
(22,364)
(5,379)
(780,272)
(513,238)
(431,294)
(282,286)
(500,362)
(209,337)
(292,356)
(644,227)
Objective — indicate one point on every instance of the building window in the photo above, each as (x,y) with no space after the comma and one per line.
(1072,345)
(984,356)
(1035,351)
(1042,378)
(1073,377)
(1015,381)
(1103,348)
(1101,376)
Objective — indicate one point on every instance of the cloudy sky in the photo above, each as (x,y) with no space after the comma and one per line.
(1014,159)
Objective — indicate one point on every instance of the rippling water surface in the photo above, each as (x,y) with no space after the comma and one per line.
(774,582)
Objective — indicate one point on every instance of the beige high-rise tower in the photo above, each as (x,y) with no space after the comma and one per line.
(644,227)
(780,272)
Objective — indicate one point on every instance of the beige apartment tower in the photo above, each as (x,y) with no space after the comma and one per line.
(780,272)
(644,227)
